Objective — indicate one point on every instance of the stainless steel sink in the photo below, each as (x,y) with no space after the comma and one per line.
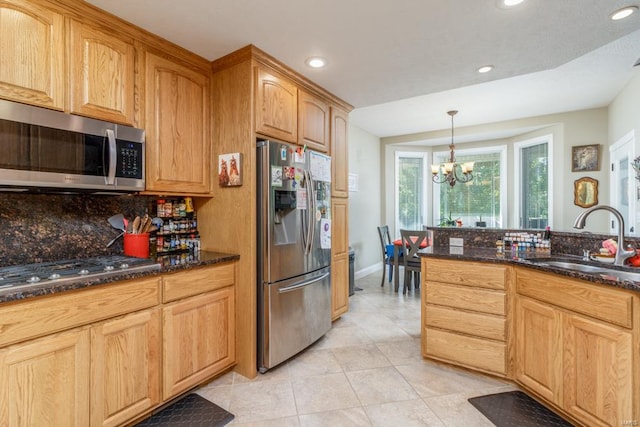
(619,275)
(604,272)
(573,266)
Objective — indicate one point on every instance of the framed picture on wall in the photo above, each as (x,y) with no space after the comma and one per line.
(585,158)
(230,169)
(585,192)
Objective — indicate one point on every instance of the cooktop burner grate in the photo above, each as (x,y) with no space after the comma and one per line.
(69,271)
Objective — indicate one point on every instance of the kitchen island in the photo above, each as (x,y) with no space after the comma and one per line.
(569,338)
(110,352)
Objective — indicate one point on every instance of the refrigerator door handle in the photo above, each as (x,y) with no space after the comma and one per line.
(303,284)
(312,211)
(305,223)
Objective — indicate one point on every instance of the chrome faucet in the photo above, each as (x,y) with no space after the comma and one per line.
(621,254)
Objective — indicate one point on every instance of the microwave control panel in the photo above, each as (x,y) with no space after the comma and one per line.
(129,160)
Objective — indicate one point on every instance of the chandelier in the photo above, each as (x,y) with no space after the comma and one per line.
(452,172)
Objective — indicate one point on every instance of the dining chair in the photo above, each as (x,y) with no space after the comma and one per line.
(412,241)
(387,252)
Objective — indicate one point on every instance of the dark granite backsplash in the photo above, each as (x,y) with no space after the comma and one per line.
(50,227)
(561,242)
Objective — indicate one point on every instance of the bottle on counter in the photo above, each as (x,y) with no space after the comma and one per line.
(168,208)
(160,207)
(188,206)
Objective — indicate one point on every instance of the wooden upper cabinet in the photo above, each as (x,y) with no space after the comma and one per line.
(177,127)
(276,106)
(101,74)
(32,46)
(313,122)
(339,152)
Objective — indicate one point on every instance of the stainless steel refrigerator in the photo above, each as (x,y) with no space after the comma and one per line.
(294,250)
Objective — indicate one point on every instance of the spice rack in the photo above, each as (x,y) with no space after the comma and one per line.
(527,242)
(178,232)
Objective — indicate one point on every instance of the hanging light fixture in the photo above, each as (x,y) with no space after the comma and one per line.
(452,172)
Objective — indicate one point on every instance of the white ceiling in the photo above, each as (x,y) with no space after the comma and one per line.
(404,63)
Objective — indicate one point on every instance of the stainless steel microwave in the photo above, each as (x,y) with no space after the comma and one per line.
(45,149)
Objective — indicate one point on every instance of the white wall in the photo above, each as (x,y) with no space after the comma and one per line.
(624,111)
(372,160)
(624,119)
(567,129)
(366,203)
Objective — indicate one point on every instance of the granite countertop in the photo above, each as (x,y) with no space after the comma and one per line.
(527,259)
(169,264)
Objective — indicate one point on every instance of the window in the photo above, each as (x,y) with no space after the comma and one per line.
(533,190)
(410,190)
(482,200)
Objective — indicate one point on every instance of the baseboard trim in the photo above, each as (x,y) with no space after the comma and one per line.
(368,270)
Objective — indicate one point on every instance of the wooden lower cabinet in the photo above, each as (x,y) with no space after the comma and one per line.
(45,382)
(464,315)
(539,348)
(100,356)
(598,372)
(339,287)
(339,257)
(575,345)
(125,367)
(586,366)
(198,339)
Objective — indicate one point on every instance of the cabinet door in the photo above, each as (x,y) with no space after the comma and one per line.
(45,382)
(198,339)
(101,72)
(276,106)
(598,372)
(313,122)
(125,367)
(539,348)
(339,153)
(177,128)
(339,257)
(32,53)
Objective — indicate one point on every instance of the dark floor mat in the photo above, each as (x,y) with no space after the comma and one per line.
(516,409)
(190,411)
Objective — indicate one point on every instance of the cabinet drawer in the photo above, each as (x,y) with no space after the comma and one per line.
(481,325)
(480,300)
(42,316)
(481,275)
(611,305)
(198,281)
(471,352)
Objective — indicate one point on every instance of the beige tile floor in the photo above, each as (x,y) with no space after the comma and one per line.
(366,371)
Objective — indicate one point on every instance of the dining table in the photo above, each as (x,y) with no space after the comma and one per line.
(397,251)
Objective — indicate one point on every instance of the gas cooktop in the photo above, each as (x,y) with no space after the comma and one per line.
(73,271)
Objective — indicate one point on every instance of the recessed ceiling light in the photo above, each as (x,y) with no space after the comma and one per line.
(485,68)
(316,62)
(623,13)
(511,2)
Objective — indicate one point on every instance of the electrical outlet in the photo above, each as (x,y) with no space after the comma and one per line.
(456,241)
(456,250)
